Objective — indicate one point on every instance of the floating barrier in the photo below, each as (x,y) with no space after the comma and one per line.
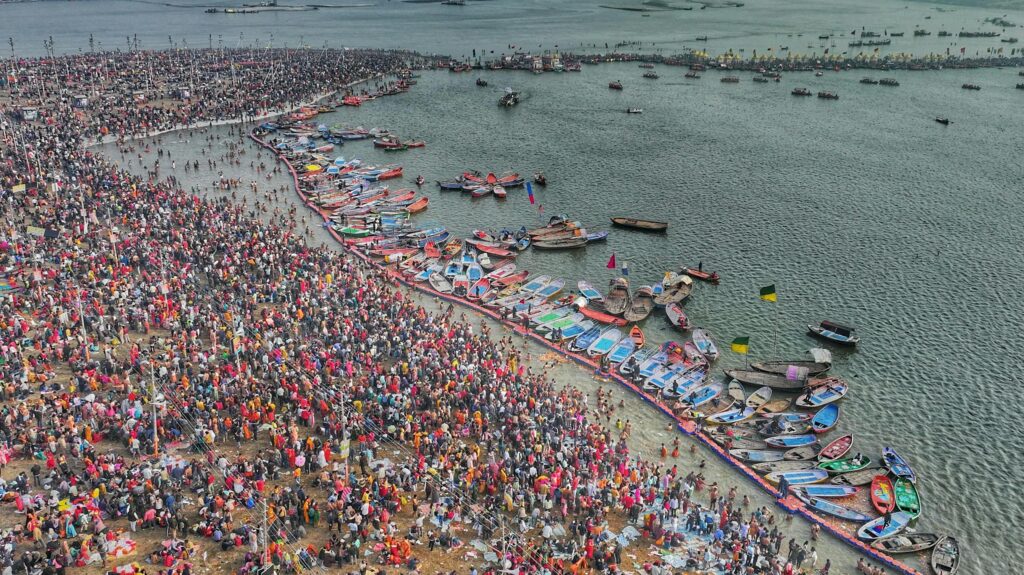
(790,504)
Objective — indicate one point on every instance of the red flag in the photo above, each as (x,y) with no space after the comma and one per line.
(611,262)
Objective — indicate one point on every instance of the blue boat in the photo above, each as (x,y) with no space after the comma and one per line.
(897,465)
(573,330)
(597,237)
(474,272)
(757,455)
(876,529)
(653,365)
(586,338)
(609,337)
(788,441)
(829,490)
(638,358)
(834,332)
(551,289)
(801,477)
(453,269)
(702,395)
(535,284)
(665,375)
(825,419)
(622,350)
(735,416)
(829,508)
(691,378)
(588,291)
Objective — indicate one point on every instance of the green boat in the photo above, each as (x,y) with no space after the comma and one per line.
(845,465)
(559,324)
(354,232)
(907,498)
(552,316)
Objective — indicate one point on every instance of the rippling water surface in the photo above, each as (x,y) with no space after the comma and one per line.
(862,210)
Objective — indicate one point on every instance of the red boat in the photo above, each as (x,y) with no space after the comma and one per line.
(512,279)
(419,205)
(637,335)
(697,274)
(416,144)
(395,173)
(601,317)
(883,496)
(431,250)
(387,144)
(492,250)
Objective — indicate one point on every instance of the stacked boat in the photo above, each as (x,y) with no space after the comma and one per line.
(478,185)
(782,438)
(564,233)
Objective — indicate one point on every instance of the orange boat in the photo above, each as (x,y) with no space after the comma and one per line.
(601,317)
(419,205)
(637,335)
(431,250)
(395,173)
(711,277)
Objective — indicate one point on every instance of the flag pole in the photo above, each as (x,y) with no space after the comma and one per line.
(775,349)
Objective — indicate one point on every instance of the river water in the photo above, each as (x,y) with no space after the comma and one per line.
(862,210)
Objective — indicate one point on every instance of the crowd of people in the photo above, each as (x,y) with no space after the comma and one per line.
(194,368)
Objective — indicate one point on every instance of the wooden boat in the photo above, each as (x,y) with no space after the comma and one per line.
(862,477)
(762,455)
(735,391)
(834,332)
(675,288)
(805,453)
(837,466)
(882,497)
(761,379)
(419,205)
(823,395)
(676,316)
(906,543)
(440,283)
(702,339)
(774,406)
(742,443)
(826,418)
(759,397)
(837,448)
(829,491)
(554,229)
(907,497)
(565,244)
(782,465)
(834,509)
(617,299)
(787,441)
(946,556)
(897,465)
(637,224)
(637,335)
(780,367)
(699,274)
(876,529)
(798,477)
